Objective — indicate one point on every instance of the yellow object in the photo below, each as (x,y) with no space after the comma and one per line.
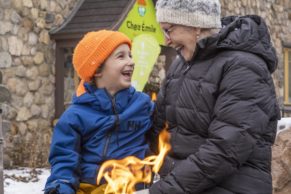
(141,19)
(91,189)
(145,51)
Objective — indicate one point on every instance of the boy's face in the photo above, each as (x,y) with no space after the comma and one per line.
(117,71)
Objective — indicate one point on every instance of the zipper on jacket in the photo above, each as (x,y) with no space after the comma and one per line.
(187,68)
(108,137)
(109,134)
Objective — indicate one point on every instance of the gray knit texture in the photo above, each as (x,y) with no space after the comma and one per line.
(196,13)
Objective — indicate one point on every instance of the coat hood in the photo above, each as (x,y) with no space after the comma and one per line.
(246,33)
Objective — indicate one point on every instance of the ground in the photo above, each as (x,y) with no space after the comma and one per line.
(25,180)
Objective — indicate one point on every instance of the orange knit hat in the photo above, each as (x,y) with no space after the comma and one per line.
(92,50)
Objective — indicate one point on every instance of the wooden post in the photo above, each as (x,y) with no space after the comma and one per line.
(5,96)
(1,154)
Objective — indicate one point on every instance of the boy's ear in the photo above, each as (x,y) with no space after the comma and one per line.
(98,74)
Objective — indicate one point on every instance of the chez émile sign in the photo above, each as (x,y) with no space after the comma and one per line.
(141,27)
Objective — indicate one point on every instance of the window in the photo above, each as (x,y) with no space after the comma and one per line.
(287,74)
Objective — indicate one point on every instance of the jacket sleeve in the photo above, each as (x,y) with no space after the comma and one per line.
(245,105)
(158,122)
(64,157)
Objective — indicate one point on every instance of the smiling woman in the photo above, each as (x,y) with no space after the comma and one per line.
(219,100)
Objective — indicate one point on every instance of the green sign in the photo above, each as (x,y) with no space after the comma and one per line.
(145,51)
(145,32)
(141,19)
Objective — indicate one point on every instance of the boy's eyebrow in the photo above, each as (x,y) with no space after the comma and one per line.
(121,52)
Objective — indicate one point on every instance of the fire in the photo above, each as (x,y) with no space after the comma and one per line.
(123,175)
(154,96)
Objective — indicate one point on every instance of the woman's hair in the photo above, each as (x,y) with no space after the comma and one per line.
(205,32)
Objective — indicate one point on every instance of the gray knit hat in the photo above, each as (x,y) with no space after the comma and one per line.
(196,13)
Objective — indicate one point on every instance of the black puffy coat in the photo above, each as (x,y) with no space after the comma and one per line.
(222,113)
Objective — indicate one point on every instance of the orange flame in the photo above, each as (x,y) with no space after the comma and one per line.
(123,175)
(154,96)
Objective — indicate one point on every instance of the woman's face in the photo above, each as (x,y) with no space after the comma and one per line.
(181,38)
(117,70)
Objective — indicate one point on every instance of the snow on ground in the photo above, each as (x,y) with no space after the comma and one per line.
(283,124)
(32,181)
(25,180)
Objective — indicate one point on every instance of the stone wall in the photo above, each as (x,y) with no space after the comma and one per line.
(27,63)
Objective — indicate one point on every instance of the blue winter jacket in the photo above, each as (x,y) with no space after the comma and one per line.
(95,128)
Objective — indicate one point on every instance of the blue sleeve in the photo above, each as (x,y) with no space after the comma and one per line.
(64,157)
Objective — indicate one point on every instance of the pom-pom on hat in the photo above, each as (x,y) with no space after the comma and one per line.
(195,13)
(92,50)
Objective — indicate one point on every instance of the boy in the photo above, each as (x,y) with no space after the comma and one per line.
(107,119)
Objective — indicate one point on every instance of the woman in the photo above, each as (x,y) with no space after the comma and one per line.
(218,100)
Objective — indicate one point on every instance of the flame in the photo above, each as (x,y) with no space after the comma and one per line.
(123,175)
(154,96)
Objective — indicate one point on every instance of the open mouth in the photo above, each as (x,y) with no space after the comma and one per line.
(127,74)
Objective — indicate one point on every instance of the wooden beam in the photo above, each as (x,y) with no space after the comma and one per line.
(59,83)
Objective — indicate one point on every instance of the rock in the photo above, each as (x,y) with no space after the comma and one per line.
(22,127)
(44,37)
(38,58)
(15,17)
(5,95)
(27,3)
(281,161)
(32,73)
(27,23)
(44,70)
(5,60)
(15,45)
(21,88)
(28,99)
(5,27)
(32,125)
(32,38)
(35,110)
(23,114)
(20,71)
(27,60)
(25,50)
(34,85)
(34,13)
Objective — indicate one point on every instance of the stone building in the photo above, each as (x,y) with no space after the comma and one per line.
(27,62)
